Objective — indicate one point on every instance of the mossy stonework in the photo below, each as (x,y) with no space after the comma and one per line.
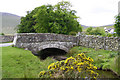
(39,41)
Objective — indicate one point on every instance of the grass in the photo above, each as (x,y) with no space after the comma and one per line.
(100,27)
(5,42)
(103,59)
(20,63)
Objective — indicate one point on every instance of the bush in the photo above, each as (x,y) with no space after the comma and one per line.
(109,35)
(117,24)
(114,35)
(111,55)
(96,31)
(73,33)
(78,67)
(2,34)
(89,30)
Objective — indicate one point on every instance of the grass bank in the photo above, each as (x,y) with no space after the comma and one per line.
(103,59)
(20,63)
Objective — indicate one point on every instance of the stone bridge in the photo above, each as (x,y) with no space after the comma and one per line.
(51,43)
(45,42)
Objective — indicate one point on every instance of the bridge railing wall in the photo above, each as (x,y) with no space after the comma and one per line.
(36,40)
(43,37)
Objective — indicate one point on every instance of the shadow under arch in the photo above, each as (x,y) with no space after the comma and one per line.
(44,53)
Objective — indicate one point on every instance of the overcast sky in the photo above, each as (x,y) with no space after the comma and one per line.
(91,12)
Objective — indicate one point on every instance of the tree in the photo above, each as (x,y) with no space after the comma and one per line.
(96,31)
(117,25)
(51,19)
(89,29)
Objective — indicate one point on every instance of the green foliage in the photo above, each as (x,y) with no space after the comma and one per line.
(2,34)
(20,63)
(114,35)
(72,33)
(96,31)
(51,19)
(109,35)
(116,66)
(106,66)
(117,25)
(80,28)
(73,67)
(27,23)
(89,30)
(111,55)
(102,58)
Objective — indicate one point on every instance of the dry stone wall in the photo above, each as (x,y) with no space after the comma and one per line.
(6,38)
(106,43)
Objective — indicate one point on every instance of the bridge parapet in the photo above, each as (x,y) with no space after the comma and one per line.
(37,41)
(43,37)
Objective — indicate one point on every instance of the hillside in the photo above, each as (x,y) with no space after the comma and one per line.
(9,22)
(101,27)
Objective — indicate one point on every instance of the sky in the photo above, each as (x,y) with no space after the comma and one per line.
(91,12)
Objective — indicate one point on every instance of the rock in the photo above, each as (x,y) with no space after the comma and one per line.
(100,55)
(59,58)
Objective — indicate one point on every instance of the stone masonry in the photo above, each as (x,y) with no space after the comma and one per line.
(6,38)
(38,41)
(106,43)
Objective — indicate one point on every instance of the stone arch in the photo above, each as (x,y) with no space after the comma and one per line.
(52,50)
(62,47)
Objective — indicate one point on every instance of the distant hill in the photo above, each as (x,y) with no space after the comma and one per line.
(107,25)
(84,27)
(101,27)
(9,22)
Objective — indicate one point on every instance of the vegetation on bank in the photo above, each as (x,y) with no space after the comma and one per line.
(20,63)
(103,59)
(79,66)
